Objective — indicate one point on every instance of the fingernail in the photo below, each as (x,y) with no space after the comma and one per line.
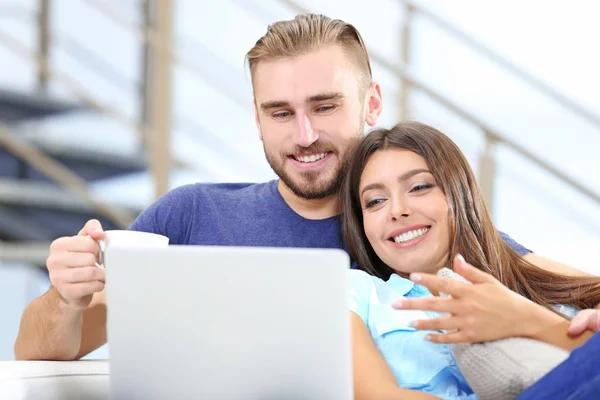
(398,304)
(415,277)
(461,259)
(428,337)
(414,324)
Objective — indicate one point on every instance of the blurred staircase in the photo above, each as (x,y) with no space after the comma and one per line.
(33,207)
(47,180)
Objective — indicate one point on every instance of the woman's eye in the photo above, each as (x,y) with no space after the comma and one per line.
(423,186)
(373,203)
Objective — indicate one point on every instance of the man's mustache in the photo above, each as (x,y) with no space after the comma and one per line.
(313,148)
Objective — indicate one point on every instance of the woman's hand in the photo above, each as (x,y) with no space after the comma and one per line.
(482,311)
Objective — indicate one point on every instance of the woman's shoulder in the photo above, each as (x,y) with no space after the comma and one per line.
(363,283)
(360,276)
(366,290)
(362,289)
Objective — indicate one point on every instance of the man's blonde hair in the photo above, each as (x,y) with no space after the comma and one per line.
(308,33)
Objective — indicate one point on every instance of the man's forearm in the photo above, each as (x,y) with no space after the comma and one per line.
(558,336)
(552,329)
(49,330)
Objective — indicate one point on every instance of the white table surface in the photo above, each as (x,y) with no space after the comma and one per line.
(54,380)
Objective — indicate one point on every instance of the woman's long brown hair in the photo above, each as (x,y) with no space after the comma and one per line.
(472,232)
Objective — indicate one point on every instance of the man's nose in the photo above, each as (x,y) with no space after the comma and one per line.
(305,135)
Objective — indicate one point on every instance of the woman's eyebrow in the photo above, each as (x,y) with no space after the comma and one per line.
(403,177)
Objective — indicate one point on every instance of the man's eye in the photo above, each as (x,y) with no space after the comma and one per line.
(282,114)
(324,108)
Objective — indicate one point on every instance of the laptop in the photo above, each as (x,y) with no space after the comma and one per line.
(213,322)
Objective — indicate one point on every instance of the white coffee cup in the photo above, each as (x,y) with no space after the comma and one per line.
(126,238)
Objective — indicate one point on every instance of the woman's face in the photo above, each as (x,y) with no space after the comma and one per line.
(405,213)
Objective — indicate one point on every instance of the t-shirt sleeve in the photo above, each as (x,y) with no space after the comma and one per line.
(359,292)
(519,248)
(168,216)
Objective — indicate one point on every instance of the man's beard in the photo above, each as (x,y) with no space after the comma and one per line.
(311,185)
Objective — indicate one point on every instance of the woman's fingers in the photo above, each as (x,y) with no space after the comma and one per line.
(448,323)
(438,304)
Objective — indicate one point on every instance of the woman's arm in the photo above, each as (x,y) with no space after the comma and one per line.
(486,311)
(373,379)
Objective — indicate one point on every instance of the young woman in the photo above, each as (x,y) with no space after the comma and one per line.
(411,205)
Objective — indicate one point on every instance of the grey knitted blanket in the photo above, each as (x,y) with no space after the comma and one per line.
(502,369)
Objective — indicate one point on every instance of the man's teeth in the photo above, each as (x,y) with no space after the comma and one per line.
(313,158)
(406,236)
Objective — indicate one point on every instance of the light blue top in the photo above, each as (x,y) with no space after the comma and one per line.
(416,363)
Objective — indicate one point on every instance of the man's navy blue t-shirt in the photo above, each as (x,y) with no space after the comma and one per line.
(241,214)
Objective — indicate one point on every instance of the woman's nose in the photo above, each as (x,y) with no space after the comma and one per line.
(400,208)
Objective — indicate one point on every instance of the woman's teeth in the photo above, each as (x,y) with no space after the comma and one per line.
(410,235)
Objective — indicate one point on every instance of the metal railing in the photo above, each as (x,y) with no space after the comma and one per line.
(94,62)
(493,137)
(150,36)
(413,9)
(55,170)
(60,174)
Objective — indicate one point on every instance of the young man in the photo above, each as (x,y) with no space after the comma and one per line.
(313,94)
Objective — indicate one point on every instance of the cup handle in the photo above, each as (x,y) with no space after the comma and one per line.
(101,249)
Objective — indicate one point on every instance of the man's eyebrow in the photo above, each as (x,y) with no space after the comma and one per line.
(326,96)
(268,105)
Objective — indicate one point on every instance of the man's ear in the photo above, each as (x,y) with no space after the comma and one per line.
(373,104)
